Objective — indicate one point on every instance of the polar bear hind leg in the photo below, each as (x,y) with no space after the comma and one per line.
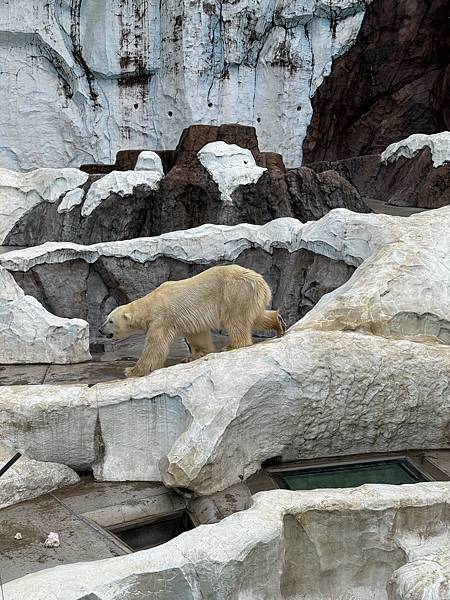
(270,320)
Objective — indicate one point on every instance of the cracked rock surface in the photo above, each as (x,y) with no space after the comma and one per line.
(29,478)
(376,541)
(31,334)
(357,374)
(413,172)
(215,175)
(393,82)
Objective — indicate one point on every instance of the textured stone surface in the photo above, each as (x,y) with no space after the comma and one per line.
(406,181)
(439,145)
(212,422)
(182,205)
(355,375)
(21,192)
(149,161)
(121,75)
(120,183)
(28,478)
(230,166)
(30,334)
(130,203)
(104,275)
(392,83)
(372,542)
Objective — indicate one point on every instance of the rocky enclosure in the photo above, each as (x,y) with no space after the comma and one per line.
(215,175)
(145,141)
(391,540)
(379,336)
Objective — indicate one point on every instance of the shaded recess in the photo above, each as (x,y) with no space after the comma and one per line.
(90,291)
(395,81)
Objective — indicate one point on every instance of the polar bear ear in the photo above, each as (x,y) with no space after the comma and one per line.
(127,316)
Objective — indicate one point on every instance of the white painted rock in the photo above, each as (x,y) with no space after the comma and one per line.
(213,421)
(373,542)
(149,161)
(28,478)
(438,143)
(70,200)
(236,64)
(204,245)
(402,287)
(121,183)
(230,166)
(190,423)
(30,334)
(20,192)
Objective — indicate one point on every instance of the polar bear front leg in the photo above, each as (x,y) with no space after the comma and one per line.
(199,344)
(156,349)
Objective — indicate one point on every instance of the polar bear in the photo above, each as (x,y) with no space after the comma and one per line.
(228,298)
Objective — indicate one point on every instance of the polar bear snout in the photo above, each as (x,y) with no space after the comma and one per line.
(106,329)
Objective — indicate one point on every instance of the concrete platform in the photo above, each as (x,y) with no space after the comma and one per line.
(70,512)
(380,207)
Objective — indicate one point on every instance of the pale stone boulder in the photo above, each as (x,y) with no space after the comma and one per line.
(20,192)
(230,166)
(121,183)
(211,423)
(438,143)
(149,161)
(30,334)
(28,478)
(374,542)
(70,200)
(402,286)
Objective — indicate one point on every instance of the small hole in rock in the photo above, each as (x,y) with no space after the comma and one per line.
(259,119)
(170,113)
(136,106)
(245,162)
(299,108)
(209,104)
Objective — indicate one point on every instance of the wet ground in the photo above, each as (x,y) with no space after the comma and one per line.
(108,363)
(70,512)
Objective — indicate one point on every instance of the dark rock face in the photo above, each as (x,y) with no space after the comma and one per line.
(393,82)
(411,182)
(188,197)
(77,289)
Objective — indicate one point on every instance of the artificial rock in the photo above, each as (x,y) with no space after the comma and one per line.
(379,336)
(216,175)
(118,77)
(376,541)
(30,334)
(393,82)
(28,478)
(414,172)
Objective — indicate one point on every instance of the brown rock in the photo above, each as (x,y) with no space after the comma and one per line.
(413,182)
(393,82)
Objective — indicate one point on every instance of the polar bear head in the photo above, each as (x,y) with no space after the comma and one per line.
(119,324)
